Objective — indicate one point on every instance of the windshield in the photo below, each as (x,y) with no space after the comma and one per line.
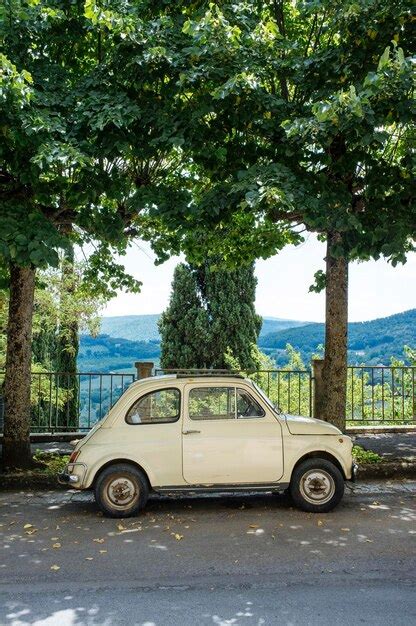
(265,398)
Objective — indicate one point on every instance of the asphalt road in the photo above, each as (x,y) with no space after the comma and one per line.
(245,560)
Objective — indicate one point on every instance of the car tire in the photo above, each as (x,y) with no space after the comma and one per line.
(316,486)
(121,490)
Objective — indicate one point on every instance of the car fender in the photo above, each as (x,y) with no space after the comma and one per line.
(299,449)
(115,457)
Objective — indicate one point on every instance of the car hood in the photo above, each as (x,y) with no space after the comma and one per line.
(300,425)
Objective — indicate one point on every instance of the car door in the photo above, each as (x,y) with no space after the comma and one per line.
(229,436)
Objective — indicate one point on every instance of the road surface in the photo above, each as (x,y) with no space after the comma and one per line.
(243,560)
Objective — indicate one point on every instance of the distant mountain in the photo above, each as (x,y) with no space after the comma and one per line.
(112,354)
(126,339)
(276,324)
(144,327)
(371,342)
(132,327)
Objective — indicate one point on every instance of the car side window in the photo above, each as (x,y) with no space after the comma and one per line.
(220,403)
(157,407)
(212,403)
(247,406)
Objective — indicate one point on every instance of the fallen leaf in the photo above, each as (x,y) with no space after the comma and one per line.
(320,522)
(54,538)
(103,551)
(178,537)
(253,526)
(98,540)
(345,530)
(89,558)
(55,568)
(56,545)
(121,527)
(26,525)
(32,532)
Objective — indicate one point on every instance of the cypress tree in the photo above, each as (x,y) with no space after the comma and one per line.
(234,323)
(184,324)
(211,315)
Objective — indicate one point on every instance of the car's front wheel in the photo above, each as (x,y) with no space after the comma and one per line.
(121,490)
(317,485)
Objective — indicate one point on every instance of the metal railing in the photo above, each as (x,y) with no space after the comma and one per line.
(381,395)
(290,390)
(68,402)
(376,395)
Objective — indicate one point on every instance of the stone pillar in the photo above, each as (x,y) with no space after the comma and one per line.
(318,386)
(144,369)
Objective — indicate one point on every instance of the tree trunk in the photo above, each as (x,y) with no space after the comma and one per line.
(334,373)
(16,440)
(67,348)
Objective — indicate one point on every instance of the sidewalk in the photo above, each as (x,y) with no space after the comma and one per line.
(391,446)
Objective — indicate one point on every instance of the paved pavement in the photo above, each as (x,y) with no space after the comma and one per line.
(390,445)
(244,560)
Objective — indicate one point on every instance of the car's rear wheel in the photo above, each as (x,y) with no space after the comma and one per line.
(317,485)
(121,490)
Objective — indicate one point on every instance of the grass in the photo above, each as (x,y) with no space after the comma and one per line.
(365,456)
(50,464)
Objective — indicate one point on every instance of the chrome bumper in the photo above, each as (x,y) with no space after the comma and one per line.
(67,477)
(64,478)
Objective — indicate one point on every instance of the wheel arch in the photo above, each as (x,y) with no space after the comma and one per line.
(116,462)
(321,454)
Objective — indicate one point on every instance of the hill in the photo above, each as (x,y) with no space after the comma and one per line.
(128,338)
(144,327)
(373,342)
(131,338)
(131,327)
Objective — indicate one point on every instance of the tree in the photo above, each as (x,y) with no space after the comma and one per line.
(234,326)
(184,325)
(210,318)
(300,117)
(85,146)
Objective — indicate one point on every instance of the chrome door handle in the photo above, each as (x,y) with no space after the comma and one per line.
(190,432)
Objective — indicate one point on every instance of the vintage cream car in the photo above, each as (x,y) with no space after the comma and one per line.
(179,433)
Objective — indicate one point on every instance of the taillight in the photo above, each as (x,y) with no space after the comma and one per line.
(75,454)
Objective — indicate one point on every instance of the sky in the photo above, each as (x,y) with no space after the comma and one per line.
(376,289)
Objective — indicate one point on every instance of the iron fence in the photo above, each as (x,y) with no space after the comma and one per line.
(376,395)
(381,395)
(67,402)
(290,390)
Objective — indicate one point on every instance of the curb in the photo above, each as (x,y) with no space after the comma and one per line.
(30,481)
(387,469)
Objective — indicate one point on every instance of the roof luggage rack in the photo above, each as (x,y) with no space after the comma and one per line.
(199,373)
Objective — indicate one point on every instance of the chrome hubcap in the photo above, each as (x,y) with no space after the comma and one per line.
(317,486)
(121,491)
